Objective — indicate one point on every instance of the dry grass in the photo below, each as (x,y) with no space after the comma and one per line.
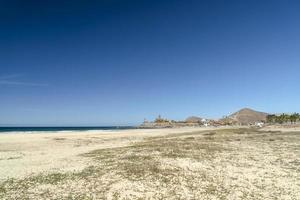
(221,164)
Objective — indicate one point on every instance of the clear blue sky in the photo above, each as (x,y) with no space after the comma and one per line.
(115,62)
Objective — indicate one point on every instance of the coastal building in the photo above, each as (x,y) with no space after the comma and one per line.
(259,124)
(205,122)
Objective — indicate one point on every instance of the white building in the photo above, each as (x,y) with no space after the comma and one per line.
(259,124)
(205,122)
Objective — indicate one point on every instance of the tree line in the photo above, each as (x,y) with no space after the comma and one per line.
(283,118)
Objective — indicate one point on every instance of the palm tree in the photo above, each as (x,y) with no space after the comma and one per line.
(271,118)
(283,118)
(294,117)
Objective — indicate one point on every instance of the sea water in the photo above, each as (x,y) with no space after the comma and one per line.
(8,130)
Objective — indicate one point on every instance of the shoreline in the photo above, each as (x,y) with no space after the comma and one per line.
(207,163)
(54,129)
(203,162)
(23,154)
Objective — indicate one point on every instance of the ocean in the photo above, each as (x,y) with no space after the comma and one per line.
(60,129)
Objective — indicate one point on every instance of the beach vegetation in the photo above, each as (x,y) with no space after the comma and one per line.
(283,118)
(159,119)
(194,165)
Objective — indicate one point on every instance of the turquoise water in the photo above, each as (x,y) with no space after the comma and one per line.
(57,129)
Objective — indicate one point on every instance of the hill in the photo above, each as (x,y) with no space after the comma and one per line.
(247,116)
(193,119)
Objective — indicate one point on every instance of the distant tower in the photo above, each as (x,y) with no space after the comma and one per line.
(145,121)
(158,119)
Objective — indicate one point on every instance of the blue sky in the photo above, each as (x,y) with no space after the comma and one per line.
(115,62)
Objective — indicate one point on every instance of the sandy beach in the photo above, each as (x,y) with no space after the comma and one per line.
(23,154)
(178,163)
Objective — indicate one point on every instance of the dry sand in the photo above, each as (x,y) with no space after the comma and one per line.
(184,163)
(282,128)
(24,154)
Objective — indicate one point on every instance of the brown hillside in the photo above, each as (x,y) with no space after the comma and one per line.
(248,116)
(193,119)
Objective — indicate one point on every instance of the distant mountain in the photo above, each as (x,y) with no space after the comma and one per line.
(247,116)
(193,119)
